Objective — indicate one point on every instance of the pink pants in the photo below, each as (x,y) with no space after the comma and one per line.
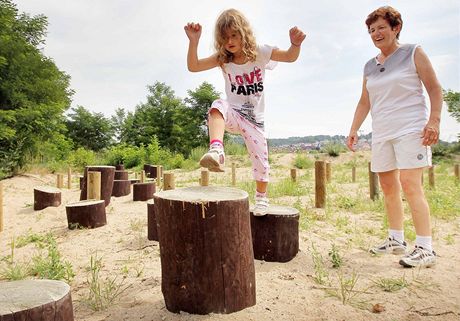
(254,138)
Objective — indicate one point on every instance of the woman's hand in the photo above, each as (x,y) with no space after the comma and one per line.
(193,31)
(352,140)
(430,133)
(297,36)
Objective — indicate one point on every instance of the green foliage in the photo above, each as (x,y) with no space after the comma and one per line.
(232,148)
(302,161)
(33,91)
(89,130)
(333,149)
(452,99)
(335,257)
(81,158)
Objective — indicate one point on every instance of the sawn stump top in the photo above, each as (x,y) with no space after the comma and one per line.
(197,194)
(280,210)
(26,294)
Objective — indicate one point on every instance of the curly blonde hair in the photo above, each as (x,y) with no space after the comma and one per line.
(232,19)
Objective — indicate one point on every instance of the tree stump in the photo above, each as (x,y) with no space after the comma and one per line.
(45,196)
(207,261)
(152,231)
(82,182)
(107,176)
(119,167)
(153,171)
(120,175)
(275,236)
(143,191)
(121,188)
(89,214)
(35,300)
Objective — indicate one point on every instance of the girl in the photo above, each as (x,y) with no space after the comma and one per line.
(243,65)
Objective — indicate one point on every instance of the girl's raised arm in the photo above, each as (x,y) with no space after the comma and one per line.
(193,32)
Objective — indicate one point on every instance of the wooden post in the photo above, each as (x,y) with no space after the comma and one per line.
(1,206)
(353,174)
(106,185)
(204,181)
(69,178)
(233,174)
(457,171)
(168,181)
(94,186)
(328,172)
(431,176)
(320,184)
(59,180)
(142,176)
(294,174)
(373,184)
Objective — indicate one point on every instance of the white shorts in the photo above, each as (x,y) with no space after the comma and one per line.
(404,152)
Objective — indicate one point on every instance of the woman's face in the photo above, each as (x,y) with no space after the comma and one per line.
(232,41)
(382,35)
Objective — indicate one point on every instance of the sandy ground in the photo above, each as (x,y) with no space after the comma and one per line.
(285,291)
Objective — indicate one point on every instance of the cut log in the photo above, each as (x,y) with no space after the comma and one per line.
(120,167)
(152,231)
(35,300)
(121,175)
(45,196)
(88,214)
(207,261)
(275,236)
(107,176)
(121,188)
(143,191)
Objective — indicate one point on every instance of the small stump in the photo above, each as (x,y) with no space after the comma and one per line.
(152,231)
(119,167)
(45,196)
(143,191)
(89,214)
(35,300)
(275,236)
(121,188)
(121,175)
(207,261)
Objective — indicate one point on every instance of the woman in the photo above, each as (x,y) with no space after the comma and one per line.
(402,130)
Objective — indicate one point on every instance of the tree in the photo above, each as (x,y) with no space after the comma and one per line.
(34,93)
(118,121)
(452,99)
(89,130)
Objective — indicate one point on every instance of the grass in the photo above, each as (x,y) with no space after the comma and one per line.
(391,284)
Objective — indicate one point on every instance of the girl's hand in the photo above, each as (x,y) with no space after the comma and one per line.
(297,36)
(193,31)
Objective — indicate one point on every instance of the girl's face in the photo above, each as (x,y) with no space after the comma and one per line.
(382,35)
(232,41)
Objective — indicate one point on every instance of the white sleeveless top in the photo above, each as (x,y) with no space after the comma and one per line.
(396,95)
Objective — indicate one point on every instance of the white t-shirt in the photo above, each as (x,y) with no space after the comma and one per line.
(396,95)
(244,85)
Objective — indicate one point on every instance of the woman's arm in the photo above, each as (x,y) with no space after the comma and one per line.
(362,109)
(428,77)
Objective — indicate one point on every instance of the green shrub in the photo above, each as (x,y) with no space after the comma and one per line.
(333,149)
(81,158)
(301,161)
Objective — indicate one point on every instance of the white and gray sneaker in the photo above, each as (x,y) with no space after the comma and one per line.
(390,246)
(213,160)
(419,257)
(261,207)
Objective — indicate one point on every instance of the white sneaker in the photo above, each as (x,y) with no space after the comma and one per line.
(261,207)
(390,246)
(419,257)
(214,160)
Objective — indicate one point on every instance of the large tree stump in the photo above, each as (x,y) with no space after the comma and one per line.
(89,214)
(45,196)
(121,175)
(107,176)
(35,300)
(121,188)
(207,261)
(152,231)
(275,236)
(143,191)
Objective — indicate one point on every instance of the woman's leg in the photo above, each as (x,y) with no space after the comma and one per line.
(389,181)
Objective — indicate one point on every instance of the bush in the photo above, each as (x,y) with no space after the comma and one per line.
(301,161)
(333,149)
(81,158)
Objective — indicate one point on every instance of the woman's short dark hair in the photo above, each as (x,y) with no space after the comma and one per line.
(390,14)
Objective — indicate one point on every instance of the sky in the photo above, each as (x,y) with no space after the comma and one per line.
(114,49)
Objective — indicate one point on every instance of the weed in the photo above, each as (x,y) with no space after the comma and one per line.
(391,284)
(321,273)
(335,257)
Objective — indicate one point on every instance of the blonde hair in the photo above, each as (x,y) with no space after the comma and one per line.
(234,20)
